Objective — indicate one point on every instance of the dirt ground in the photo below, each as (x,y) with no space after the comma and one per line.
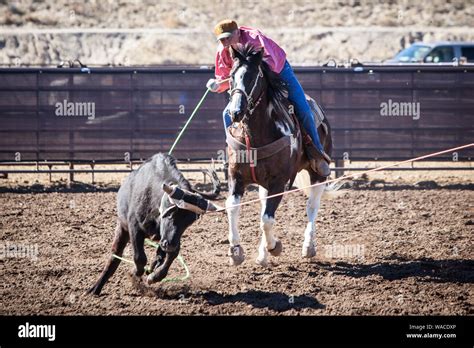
(382,248)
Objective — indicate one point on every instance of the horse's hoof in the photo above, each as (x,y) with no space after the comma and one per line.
(262,262)
(136,272)
(149,279)
(276,251)
(236,255)
(308,251)
(92,291)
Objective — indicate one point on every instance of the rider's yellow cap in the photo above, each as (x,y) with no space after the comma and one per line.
(225,28)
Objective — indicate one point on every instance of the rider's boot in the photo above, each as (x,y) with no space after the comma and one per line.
(319,160)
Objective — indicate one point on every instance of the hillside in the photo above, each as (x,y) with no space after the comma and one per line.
(146,32)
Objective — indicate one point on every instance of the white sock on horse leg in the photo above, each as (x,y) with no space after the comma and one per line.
(262,194)
(312,208)
(266,225)
(233,217)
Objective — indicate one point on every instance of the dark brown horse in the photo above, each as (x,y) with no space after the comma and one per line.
(265,128)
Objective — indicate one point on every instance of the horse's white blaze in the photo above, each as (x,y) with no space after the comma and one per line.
(236,99)
(312,208)
(233,217)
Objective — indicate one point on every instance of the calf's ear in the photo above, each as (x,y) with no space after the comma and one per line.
(167,189)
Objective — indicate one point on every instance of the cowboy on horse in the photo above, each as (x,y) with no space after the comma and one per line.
(229,36)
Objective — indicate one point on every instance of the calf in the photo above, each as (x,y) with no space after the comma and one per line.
(155,202)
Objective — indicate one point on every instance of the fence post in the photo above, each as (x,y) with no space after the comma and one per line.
(50,166)
(71,174)
(92,167)
(340,164)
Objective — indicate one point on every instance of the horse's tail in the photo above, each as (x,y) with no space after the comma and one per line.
(334,186)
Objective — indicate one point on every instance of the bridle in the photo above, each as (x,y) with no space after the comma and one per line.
(251,105)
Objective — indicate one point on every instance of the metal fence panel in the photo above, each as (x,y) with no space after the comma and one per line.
(139,111)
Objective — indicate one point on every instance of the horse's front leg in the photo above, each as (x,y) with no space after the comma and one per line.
(236,191)
(268,243)
(312,208)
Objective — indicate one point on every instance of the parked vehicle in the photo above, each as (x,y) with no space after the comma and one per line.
(437,52)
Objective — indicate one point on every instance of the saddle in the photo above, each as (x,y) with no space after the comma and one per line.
(318,113)
(318,117)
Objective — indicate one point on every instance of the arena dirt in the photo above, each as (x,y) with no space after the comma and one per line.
(380,250)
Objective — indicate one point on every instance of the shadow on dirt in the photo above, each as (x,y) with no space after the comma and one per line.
(436,271)
(276,301)
(78,187)
(356,185)
(382,185)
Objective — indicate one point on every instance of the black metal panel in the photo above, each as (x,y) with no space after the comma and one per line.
(139,111)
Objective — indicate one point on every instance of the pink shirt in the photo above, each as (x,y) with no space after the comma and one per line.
(273,54)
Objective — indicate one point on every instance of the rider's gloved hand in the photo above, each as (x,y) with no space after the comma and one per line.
(213,85)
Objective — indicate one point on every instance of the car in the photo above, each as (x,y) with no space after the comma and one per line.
(436,52)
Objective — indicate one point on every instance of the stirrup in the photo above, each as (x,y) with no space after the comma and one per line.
(314,153)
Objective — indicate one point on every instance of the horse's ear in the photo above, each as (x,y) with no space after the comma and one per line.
(257,57)
(235,54)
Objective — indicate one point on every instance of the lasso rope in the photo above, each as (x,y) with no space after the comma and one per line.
(148,269)
(344,177)
(188,121)
(156,245)
(191,117)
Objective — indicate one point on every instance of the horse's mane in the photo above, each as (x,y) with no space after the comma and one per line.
(277,91)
